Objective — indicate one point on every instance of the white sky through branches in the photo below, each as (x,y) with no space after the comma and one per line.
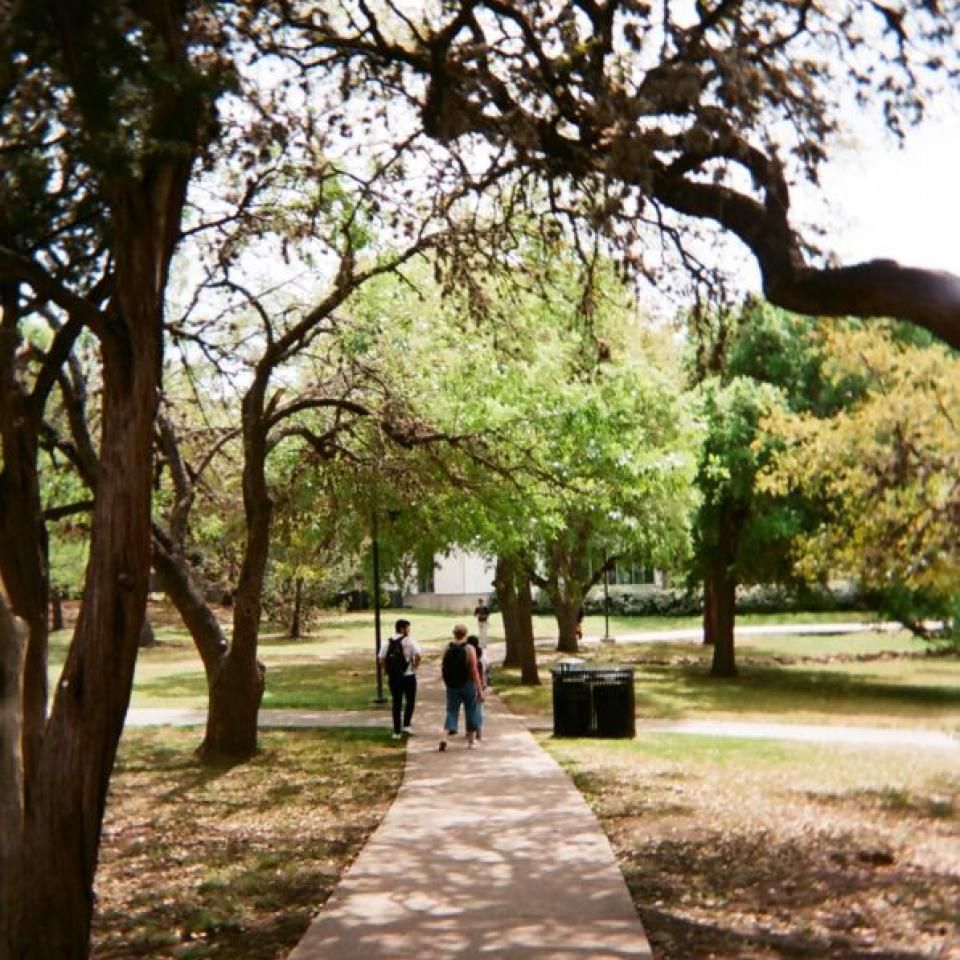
(903,204)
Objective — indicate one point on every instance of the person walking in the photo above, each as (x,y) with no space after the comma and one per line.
(482,672)
(482,612)
(461,677)
(400,659)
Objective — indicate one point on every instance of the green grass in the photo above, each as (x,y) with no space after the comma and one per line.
(672,683)
(802,678)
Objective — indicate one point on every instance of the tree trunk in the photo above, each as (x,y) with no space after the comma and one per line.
(297,614)
(147,637)
(724,658)
(527,650)
(504,583)
(23,537)
(56,609)
(722,589)
(709,612)
(234,692)
(13,643)
(565,609)
(238,686)
(177,580)
(67,793)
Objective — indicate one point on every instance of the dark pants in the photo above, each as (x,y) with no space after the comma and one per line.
(403,688)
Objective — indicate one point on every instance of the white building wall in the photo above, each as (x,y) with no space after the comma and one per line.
(459,578)
(460,572)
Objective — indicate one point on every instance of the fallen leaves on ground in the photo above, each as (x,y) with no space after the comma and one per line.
(232,862)
(782,851)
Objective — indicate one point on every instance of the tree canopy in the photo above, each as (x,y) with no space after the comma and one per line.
(627,116)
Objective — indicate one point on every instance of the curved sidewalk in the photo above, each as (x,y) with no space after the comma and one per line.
(489,852)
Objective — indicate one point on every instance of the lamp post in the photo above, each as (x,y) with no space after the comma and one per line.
(606,601)
(380,698)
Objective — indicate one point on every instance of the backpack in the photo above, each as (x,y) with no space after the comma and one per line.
(454,666)
(394,659)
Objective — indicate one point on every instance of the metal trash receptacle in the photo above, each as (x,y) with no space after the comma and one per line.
(593,701)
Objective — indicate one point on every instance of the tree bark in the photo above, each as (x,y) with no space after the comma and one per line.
(23,537)
(505,584)
(177,580)
(529,675)
(13,644)
(147,636)
(709,612)
(722,590)
(237,688)
(66,797)
(565,608)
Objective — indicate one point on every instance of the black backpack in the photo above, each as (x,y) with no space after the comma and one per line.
(394,659)
(454,667)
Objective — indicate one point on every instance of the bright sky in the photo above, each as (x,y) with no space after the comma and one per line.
(898,203)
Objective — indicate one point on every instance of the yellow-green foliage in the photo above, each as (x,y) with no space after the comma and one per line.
(888,462)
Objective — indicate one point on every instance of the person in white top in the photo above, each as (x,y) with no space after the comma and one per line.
(482,612)
(400,659)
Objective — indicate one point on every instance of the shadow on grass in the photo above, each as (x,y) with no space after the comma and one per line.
(755,895)
(233,866)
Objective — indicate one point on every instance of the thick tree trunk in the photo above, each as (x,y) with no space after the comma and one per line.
(147,637)
(724,658)
(13,644)
(234,694)
(23,538)
(67,791)
(565,608)
(504,583)
(721,588)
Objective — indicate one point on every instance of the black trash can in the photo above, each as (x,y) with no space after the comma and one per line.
(591,701)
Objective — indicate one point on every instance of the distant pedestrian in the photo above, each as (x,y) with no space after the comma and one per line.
(461,677)
(580,614)
(400,659)
(482,612)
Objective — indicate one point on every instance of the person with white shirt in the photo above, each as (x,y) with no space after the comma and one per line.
(400,658)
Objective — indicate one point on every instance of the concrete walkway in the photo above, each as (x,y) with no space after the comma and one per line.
(489,852)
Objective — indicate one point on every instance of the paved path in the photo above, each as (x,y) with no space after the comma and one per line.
(489,852)
(756,630)
(801,732)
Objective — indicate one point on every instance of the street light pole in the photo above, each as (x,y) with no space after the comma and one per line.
(376,609)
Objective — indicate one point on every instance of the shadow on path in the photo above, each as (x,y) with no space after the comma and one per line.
(490,852)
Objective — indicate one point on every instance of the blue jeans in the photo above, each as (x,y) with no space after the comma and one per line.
(466,695)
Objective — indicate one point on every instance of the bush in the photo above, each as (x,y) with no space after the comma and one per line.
(755,598)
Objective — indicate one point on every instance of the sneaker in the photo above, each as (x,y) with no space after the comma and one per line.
(394,736)
(408,731)
(469,744)
(443,745)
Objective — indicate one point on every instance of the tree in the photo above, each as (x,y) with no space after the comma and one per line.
(753,364)
(104,117)
(885,465)
(626,116)
(590,445)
